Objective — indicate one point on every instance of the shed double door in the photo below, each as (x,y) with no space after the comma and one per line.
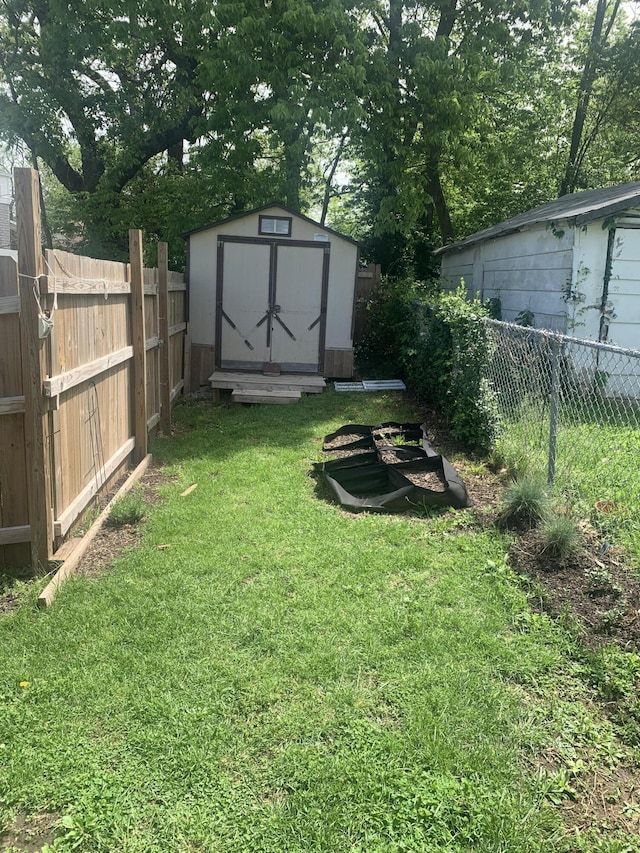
(271,304)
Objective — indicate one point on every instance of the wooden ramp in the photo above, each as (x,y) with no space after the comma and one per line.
(259,388)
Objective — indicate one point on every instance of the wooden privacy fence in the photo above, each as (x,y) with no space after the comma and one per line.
(367,282)
(77,405)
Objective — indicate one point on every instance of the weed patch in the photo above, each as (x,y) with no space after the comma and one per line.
(129,509)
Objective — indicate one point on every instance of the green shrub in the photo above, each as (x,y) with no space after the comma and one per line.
(436,343)
(391,324)
(129,509)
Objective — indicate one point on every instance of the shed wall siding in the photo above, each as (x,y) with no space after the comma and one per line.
(587,281)
(342,278)
(457,267)
(202,287)
(528,270)
(624,289)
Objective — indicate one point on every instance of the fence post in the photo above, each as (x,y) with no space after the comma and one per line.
(553,408)
(30,268)
(165,349)
(139,341)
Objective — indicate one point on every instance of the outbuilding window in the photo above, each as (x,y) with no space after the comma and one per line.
(280,225)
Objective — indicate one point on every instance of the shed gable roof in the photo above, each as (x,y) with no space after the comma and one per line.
(270,206)
(576,209)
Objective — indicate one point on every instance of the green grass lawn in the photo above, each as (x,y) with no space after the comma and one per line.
(288,677)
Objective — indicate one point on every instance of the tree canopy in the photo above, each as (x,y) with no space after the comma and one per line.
(406,123)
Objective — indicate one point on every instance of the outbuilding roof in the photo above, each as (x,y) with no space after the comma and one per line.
(576,209)
(269,207)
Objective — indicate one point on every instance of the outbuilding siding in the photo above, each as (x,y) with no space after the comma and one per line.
(528,270)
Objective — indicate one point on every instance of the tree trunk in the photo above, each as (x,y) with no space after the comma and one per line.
(329,181)
(434,188)
(585,90)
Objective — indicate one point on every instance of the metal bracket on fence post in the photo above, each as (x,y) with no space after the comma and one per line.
(553,408)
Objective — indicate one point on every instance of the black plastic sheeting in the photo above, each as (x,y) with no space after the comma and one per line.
(363,480)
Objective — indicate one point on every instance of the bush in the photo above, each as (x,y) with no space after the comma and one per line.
(391,321)
(437,345)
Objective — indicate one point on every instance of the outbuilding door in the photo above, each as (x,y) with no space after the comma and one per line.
(271,304)
(622,300)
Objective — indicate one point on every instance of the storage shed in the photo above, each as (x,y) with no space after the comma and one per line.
(573,262)
(271,293)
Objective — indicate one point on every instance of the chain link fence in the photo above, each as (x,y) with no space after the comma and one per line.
(569,411)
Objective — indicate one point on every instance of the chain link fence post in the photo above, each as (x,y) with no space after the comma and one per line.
(554,394)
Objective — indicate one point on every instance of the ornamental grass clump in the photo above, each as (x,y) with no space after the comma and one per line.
(560,536)
(526,503)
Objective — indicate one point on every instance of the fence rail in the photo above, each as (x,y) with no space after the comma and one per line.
(91,359)
(569,410)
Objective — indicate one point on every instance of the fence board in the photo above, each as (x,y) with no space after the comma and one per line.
(14,509)
(95,421)
(34,364)
(65,381)
(9,304)
(367,281)
(101,476)
(138,339)
(80,275)
(90,368)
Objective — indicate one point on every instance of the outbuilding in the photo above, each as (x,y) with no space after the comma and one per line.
(271,295)
(571,265)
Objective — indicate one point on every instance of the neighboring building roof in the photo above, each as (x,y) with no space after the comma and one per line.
(576,208)
(268,207)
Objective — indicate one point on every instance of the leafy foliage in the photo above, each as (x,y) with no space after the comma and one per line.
(406,123)
(434,341)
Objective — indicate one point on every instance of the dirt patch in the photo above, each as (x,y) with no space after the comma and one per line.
(484,487)
(425,480)
(29,833)
(113,541)
(344,454)
(593,585)
(390,457)
(343,440)
(605,799)
(110,543)
(8,602)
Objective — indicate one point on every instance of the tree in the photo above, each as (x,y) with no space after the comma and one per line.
(306,61)
(113,92)
(609,58)
(431,66)
(97,92)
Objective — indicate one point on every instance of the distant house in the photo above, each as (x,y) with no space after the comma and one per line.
(574,263)
(5,214)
